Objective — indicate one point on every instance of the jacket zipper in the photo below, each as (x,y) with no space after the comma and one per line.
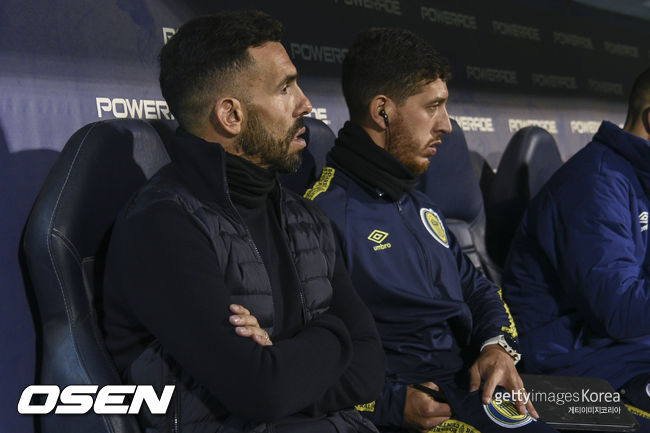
(301,290)
(176,407)
(257,251)
(417,239)
(177,411)
(249,237)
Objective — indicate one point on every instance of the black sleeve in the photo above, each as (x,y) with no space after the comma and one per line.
(363,380)
(166,270)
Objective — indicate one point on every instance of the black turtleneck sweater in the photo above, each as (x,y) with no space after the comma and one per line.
(161,284)
(252,190)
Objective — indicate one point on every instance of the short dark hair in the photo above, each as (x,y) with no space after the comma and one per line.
(390,61)
(639,97)
(204,56)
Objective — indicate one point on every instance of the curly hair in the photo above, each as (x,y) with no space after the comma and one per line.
(390,61)
(203,59)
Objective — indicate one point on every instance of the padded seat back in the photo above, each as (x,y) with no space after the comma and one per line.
(99,169)
(529,160)
(483,171)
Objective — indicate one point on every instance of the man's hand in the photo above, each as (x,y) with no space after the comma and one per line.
(246,325)
(422,412)
(497,367)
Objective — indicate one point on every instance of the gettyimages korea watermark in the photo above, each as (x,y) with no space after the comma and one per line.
(107,400)
(577,402)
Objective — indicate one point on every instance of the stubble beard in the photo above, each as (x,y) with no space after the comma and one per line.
(259,144)
(404,147)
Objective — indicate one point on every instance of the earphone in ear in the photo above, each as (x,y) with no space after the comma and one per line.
(383,114)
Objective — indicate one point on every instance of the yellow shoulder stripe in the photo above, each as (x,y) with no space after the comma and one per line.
(454,426)
(512,329)
(638,412)
(366,407)
(321,185)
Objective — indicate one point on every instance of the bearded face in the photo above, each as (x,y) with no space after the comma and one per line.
(270,146)
(417,126)
(404,146)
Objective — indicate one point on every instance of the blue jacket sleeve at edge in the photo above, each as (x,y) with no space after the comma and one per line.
(607,277)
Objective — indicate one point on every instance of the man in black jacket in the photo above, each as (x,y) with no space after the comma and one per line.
(212,245)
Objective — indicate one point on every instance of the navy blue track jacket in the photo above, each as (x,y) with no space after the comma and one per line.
(429,302)
(578,274)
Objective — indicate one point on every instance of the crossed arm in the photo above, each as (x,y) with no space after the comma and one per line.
(164,268)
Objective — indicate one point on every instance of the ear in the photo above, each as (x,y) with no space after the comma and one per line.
(227,116)
(645,117)
(379,112)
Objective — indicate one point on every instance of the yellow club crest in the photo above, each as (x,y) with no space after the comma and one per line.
(505,414)
(433,224)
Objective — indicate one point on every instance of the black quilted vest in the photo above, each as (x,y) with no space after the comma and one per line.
(310,241)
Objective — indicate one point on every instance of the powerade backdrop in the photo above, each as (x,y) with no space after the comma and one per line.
(66,63)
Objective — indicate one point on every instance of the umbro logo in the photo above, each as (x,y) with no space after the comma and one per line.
(378,236)
(643,220)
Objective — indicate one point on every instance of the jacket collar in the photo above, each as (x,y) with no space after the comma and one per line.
(202,165)
(633,148)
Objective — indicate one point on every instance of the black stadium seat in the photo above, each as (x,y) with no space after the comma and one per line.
(451,182)
(100,167)
(529,160)
(483,171)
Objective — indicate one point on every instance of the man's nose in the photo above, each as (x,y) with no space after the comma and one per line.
(304,106)
(444,124)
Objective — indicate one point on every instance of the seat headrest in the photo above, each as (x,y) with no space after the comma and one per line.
(530,158)
(450,179)
(99,168)
(483,172)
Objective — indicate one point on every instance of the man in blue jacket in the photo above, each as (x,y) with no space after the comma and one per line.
(436,314)
(579,266)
